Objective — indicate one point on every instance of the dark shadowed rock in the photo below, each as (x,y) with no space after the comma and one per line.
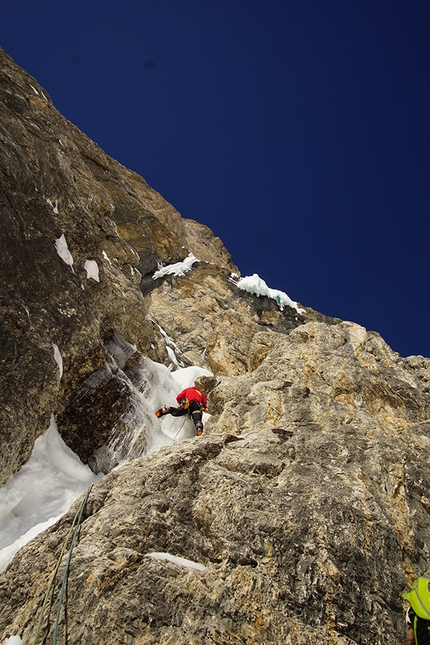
(56,182)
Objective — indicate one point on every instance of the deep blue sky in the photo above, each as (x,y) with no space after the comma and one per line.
(298,130)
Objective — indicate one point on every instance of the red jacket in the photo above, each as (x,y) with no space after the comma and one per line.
(193,394)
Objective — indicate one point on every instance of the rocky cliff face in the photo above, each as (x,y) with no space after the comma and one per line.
(80,239)
(303,511)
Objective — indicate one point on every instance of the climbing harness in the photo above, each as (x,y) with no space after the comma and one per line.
(185,405)
(74,528)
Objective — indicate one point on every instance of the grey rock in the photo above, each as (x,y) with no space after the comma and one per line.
(306,535)
(304,510)
(55,181)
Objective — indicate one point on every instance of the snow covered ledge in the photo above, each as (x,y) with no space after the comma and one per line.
(178,269)
(256,285)
(182,562)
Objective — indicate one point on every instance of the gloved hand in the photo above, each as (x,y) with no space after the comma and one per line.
(161,411)
(199,432)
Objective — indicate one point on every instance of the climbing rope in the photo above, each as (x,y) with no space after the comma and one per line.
(185,418)
(66,570)
(74,526)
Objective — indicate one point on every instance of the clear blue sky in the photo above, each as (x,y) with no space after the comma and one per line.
(298,130)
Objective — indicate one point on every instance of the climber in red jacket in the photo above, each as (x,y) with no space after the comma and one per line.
(192,401)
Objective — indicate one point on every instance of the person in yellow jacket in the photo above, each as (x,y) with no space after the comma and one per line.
(418,614)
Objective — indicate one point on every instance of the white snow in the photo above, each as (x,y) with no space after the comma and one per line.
(105,255)
(171,347)
(54,208)
(186,376)
(171,354)
(178,269)
(63,251)
(13,640)
(92,269)
(182,562)
(158,386)
(40,492)
(58,358)
(256,285)
(34,89)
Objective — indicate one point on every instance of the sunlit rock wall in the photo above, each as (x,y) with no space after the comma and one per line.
(304,506)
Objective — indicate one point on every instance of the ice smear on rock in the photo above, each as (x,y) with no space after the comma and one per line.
(63,251)
(182,562)
(92,270)
(58,358)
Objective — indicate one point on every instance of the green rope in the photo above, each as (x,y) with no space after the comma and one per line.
(57,566)
(66,570)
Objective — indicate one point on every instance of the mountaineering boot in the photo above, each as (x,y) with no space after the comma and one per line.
(199,428)
(161,411)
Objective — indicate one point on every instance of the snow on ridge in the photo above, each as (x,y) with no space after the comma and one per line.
(182,562)
(256,285)
(178,269)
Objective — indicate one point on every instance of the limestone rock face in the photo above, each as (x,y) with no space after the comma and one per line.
(305,534)
(303,511)
(323,375)
(212,321)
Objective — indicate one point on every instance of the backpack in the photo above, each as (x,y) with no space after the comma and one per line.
(192,394)
(419,596)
